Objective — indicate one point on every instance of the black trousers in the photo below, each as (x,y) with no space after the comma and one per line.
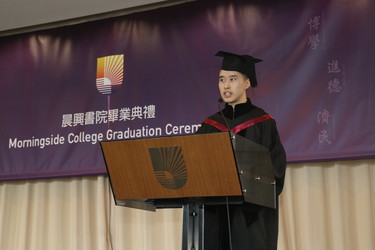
(252,227)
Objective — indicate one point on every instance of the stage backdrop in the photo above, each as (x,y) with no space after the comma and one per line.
(154,74)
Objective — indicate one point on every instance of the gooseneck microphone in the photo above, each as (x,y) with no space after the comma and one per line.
(220,101)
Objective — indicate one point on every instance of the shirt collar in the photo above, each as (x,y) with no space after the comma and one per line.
(238,110)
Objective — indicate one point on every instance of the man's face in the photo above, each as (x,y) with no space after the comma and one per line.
(232,86)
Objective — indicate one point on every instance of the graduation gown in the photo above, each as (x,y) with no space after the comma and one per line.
(252,226)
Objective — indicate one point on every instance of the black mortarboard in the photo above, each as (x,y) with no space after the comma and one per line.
(241,63)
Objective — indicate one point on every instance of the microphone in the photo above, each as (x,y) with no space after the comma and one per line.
(220,101)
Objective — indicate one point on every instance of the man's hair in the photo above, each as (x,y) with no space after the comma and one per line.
(244,76)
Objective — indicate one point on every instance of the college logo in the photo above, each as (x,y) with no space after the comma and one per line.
(169,166)
(109,73)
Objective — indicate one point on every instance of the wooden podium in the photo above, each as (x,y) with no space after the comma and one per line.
(189,171)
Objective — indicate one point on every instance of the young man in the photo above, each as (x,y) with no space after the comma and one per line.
(252,227)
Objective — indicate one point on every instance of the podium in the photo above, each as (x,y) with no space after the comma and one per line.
(189,171)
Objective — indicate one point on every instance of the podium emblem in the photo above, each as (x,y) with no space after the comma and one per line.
(169,166)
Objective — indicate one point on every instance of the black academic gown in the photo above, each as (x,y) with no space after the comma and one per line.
(253,227)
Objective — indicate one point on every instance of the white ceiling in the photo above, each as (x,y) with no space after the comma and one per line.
(17,16)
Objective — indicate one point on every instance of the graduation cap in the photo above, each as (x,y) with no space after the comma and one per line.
(241,63)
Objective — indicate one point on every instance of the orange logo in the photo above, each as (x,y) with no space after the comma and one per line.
(109,73)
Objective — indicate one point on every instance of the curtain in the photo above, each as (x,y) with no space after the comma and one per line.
(328,205)
(324,205)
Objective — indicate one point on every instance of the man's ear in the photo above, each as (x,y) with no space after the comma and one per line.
(248,83)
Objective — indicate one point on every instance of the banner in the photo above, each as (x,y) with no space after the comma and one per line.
(154,74)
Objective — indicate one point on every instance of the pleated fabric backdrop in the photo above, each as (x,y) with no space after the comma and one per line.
(325,206)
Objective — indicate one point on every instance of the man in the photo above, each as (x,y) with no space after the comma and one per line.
(252,227)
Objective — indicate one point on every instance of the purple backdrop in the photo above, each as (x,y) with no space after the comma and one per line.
(316,80)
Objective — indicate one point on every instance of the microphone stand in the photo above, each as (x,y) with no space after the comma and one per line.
(232,136)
